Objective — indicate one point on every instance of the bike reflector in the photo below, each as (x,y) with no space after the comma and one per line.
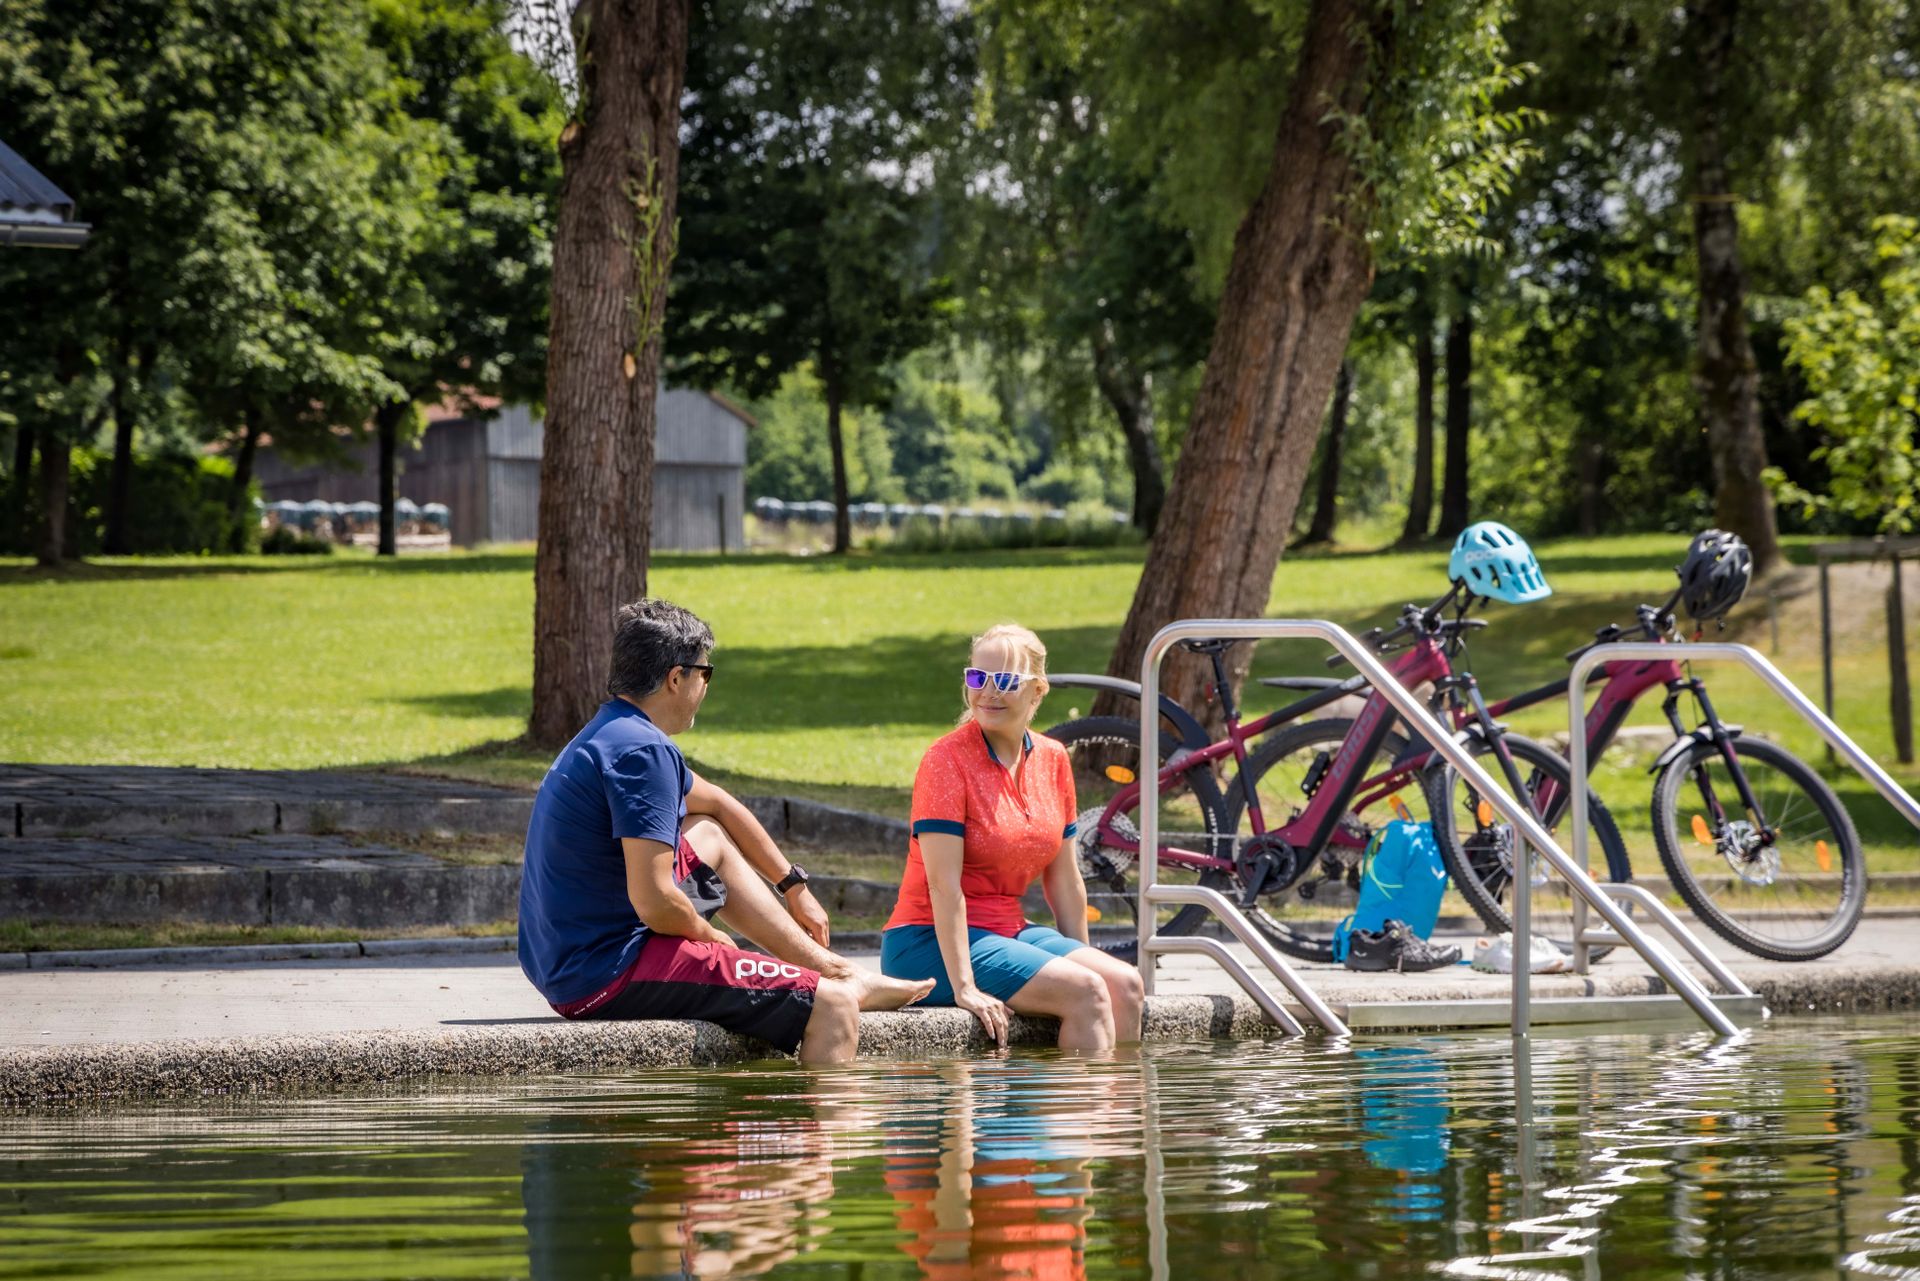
(1400,809)
(1701,832)
(1093,914)
(1825,855)
(1484,812)
(1120,774)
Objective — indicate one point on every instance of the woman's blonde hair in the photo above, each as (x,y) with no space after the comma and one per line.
(1028,654)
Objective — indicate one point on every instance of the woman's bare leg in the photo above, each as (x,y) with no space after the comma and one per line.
(1124,988)
(1077,997)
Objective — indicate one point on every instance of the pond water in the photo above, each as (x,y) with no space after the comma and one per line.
(1793,1152)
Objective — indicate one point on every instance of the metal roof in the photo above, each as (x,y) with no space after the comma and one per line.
(32,210)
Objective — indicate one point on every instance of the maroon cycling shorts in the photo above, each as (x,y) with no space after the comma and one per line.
(677,978)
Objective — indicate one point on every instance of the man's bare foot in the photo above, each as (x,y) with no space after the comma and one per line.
(879,992)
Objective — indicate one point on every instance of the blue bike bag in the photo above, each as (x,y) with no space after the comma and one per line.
(1402,879)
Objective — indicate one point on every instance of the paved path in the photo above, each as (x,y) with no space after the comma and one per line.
(440,993)
(67,800)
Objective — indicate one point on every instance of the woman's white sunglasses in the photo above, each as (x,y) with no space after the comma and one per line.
(1005,682)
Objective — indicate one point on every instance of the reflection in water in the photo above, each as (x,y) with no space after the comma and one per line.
(1794,1151)
(996,1183)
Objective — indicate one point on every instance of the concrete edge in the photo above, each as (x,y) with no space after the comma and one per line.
(107,958)
(249,953)
(249,1065)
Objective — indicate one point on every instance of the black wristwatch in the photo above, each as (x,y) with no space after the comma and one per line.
(796,875)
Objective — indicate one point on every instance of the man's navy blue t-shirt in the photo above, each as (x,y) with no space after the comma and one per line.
(619,777)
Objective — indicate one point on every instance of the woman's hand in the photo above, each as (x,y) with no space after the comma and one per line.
(991,1011)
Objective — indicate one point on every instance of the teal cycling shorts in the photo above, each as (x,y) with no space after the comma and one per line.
(1001,965)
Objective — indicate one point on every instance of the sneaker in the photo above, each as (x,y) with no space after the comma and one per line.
(1394,946)
(1495,956)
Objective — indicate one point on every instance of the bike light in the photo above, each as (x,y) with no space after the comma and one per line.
(1701,832)
(1825,855)
(1120,774)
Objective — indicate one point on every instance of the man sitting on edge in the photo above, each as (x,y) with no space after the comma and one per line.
(629,853)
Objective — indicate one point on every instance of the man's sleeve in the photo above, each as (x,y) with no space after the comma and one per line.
(644,786)
(939,796)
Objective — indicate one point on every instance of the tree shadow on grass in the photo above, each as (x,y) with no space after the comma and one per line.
(507,700)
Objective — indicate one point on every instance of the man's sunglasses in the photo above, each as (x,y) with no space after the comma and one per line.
(705,669)
(1005,682)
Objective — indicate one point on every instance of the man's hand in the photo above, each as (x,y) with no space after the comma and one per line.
(808,914)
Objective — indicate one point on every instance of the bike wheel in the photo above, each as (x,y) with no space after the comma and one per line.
(1279,771)
(1478,845)
(1793,899)
(1105,751)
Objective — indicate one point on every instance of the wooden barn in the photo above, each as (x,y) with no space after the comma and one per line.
(486,469)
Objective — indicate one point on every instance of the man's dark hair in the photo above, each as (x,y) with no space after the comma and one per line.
(650,639)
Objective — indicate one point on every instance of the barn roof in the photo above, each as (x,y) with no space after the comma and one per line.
(34,212)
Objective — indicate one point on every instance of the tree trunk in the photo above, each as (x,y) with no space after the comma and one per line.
(1130,396)
(120,486)
(1590,460)
(1725,373)
(1326,505)
(56,462)
(1453,490)
(22,485)
(243,473)
(387,419)
(612,250)
(1420,498)
(1300,271)
(837,447)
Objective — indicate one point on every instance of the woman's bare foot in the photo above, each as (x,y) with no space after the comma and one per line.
(880,992)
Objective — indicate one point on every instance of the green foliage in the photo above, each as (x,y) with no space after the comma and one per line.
(182,500)
(950,441)
(1091,529)
(1860,357)
(284,540)
(787,454)
(804,201)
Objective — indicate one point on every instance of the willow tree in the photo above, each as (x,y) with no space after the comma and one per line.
(613,246)
(1389,140)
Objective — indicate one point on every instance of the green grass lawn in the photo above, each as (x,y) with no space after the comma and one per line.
(833,673)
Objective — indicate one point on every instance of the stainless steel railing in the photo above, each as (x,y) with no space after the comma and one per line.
(1711,651)
(1423,723)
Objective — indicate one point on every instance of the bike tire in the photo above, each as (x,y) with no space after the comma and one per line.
(1482,880)
(1725,912)
(1292,938)
(1120,732)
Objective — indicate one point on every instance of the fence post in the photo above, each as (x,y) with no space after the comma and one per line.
(1826,647)
(720,508)
(1900,696)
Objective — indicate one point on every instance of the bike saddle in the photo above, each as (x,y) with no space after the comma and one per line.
(1214,646)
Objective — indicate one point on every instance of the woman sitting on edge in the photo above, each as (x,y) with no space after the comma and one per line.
(993,808)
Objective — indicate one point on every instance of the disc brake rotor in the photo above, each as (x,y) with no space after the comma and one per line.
(1751,860)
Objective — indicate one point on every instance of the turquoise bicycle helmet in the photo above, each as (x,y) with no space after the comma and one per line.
(1494,561)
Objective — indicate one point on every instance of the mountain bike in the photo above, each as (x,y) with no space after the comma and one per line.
(1302,807)
(1752,838)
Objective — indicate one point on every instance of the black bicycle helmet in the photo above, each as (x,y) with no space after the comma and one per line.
(1714,575)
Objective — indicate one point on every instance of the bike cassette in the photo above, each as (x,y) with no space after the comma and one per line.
(1497,839)
(1098,860)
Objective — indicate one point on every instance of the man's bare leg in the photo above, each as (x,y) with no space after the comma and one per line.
(754,910)
(833,1030)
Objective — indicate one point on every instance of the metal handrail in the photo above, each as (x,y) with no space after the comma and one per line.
(1441,738)
(1644,651)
